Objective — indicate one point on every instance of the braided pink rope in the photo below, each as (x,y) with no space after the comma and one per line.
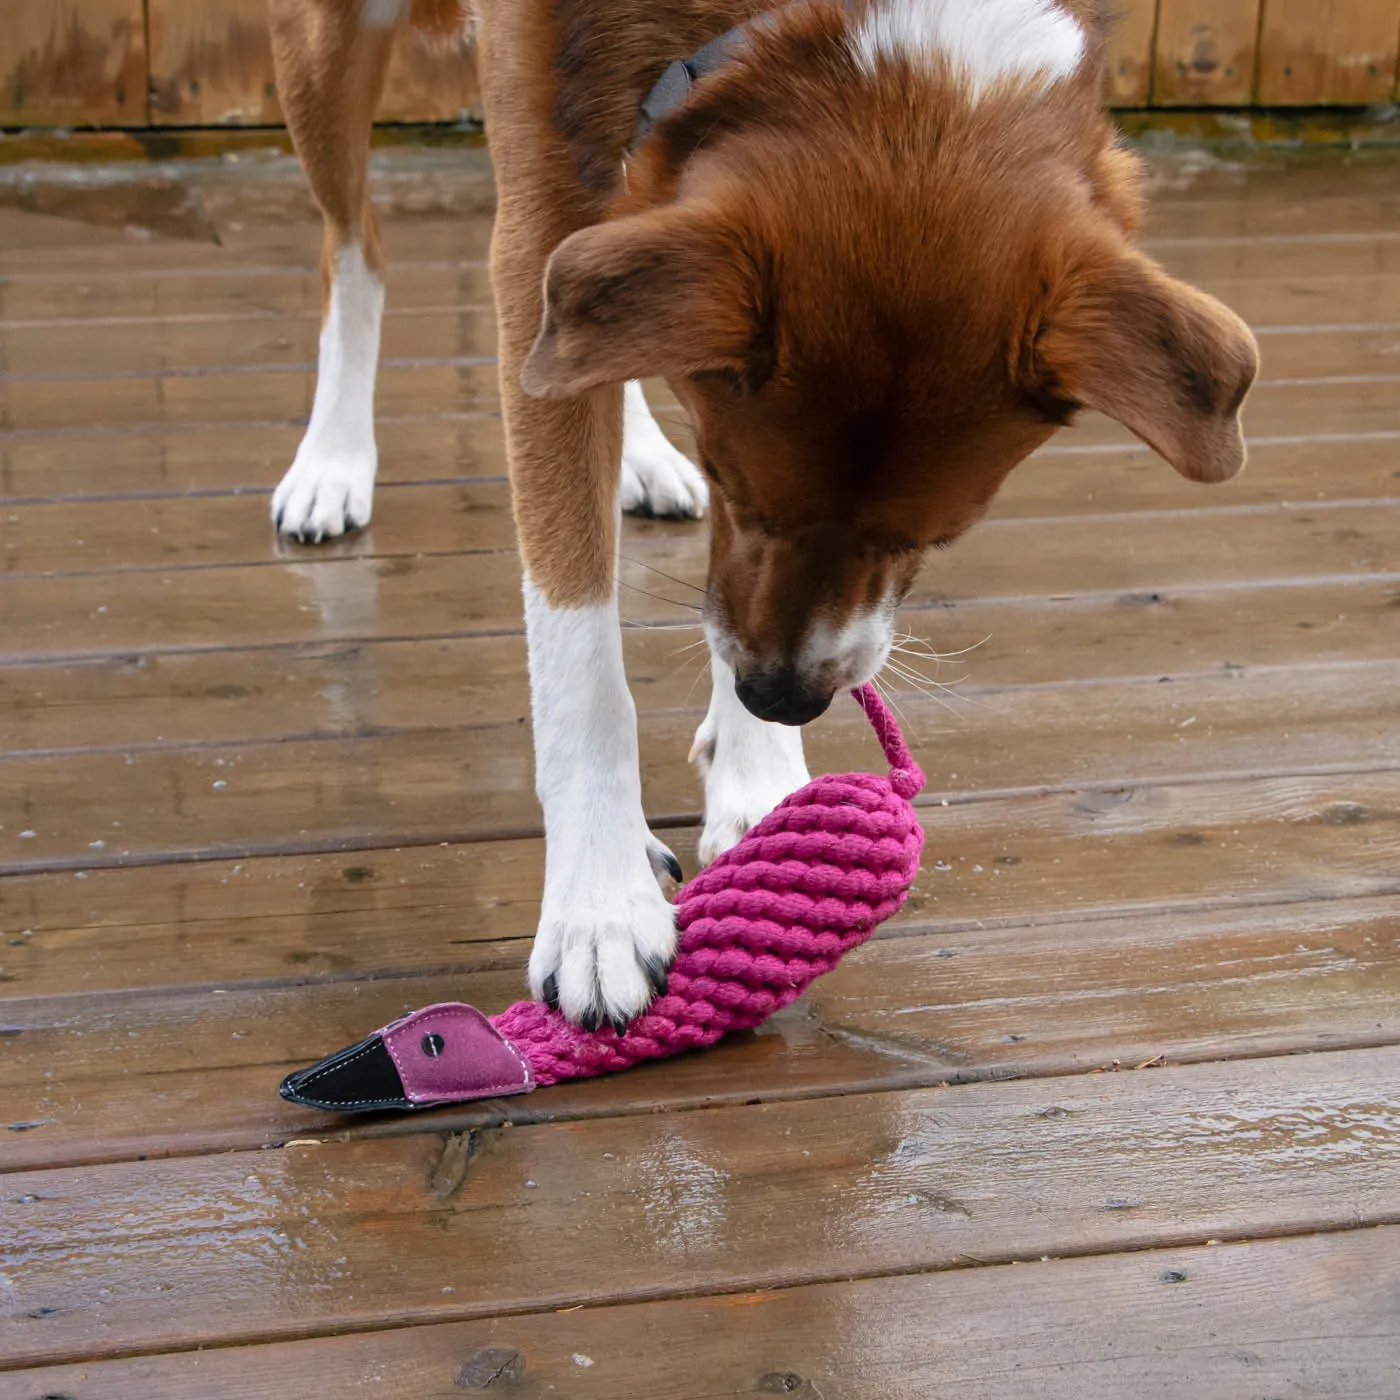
(805,886)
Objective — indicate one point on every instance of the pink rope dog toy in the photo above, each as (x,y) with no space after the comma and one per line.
(810,882)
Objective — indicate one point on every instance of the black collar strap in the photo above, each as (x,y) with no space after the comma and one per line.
(673,87)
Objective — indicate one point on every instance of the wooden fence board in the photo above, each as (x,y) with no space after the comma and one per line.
(1205,53)
(1320,51)
(1130,53)
(211,64)
(72,63)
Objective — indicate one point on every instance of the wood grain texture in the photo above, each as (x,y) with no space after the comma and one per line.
(1130,43)
(1059,857)
(1205,53)
(417,787)
(1153,1326)
(1318,51)
(211,64)
(184,1071)
(459,680)
(73,63)
(278,797)
(318,597)
(334,1236)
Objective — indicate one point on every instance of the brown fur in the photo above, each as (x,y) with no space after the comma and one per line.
(874,298)
(330,74)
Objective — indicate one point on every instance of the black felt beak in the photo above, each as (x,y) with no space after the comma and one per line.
(360,1079)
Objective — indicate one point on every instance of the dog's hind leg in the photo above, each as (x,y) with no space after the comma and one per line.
(331,57)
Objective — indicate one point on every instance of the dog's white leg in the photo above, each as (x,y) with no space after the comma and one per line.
(607,933)
(656,478)
(329,487)
(748,766)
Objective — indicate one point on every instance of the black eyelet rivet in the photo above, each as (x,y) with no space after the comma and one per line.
(433,1044)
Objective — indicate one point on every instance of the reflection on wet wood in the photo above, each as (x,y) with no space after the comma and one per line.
(195,1070)
(255,800)
(93,809)
(455,679)
(1152,1326)
(317,595)
(357,1235)
(1052,858)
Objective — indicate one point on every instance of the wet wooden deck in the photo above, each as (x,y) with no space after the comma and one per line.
(1113,1110)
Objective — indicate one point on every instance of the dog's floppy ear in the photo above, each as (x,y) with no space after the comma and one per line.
(1168,362)
(665,293)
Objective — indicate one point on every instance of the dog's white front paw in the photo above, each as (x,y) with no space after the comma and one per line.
(748,767)
(657,480)
(601,954)
(325,493)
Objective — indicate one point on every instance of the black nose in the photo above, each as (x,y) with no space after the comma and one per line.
(781,696)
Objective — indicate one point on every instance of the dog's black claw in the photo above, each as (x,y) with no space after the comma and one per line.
(277,522)
(619,1024)
(590,1020)
(673,866)
(549,993)
(659,975)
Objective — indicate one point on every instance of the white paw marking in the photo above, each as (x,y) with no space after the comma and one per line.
(329,487)
(748,767)
(607,934)
(325,493)
(603,946)
(656,478)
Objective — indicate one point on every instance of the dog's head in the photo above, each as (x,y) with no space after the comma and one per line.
(877,288)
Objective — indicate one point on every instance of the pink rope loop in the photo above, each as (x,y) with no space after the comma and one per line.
(906,777)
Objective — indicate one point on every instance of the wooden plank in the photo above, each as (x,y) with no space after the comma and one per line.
(414,788)
(220,530)
(1296,208)
(461,681)
(250,458)
(187,292)
(1154,1325)
(1205,53)
(247,456)
(1316,51)
(1064,856)
(1130,53)
(467,385)
(205,347)
(211,64)
(73,63)
(174,532)
(214,349)
(368,1234)
(315,596)
(180,1071)
(1351,294)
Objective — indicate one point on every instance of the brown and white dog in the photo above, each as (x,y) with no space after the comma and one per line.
(880,253)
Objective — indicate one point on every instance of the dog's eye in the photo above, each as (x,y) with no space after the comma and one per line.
(726,378)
